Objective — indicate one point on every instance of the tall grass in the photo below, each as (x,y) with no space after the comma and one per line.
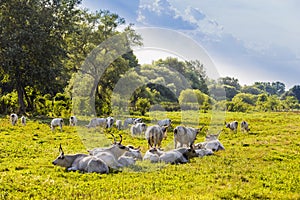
(261,164)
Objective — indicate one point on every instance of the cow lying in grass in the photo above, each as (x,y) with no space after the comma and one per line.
(80,162)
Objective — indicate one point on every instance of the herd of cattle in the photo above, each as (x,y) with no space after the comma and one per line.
(104,159)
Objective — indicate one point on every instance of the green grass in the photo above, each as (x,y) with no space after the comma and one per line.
(262,164)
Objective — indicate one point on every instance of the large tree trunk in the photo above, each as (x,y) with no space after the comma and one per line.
(20,91)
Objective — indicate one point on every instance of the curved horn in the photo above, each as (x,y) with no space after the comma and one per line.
(60,149)
(120,139)
(114,138)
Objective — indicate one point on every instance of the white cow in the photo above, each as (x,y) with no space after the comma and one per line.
(185,136)
(23,120)
(102,122)
(56,122)
(13,119)
(110,155)
(134,152)
(110,122)
(131,121)
(119,124)
(245,126)
(164,122)
(73,121)
(153,155)
(155,134)
(214,145)
(138,129)
(232,126)
(81,162)
(178,156)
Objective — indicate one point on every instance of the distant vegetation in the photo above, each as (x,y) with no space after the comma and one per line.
(43,47)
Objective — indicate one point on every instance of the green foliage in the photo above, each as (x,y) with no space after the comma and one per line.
(262,164)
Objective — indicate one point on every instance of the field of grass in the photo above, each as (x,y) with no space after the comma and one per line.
(261,164)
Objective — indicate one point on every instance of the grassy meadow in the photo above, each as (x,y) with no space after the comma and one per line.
(261,164)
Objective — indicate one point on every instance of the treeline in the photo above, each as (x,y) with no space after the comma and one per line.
(44,43)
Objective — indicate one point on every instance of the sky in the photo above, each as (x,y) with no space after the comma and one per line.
(248,40)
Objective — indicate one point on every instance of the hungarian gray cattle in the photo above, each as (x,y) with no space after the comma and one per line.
(110,122)
(164,122)
(138,129)
(178,156)
(155,134)
(244,126)
(73,121)
(185,136)
(13,118)
(110,155)
(232,126)
(119,124)
(134,152)
(23,120)
(80,162)
(56,122)
(102,122)
(126,161)
(131,121)
(214,145)
(153,155)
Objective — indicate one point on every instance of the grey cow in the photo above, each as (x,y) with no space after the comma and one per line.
(80,162)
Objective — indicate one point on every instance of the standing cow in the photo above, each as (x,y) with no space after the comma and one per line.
(73,121)
(56,122)
(13,119)
(185,136)
(232,126)
(245,126)
(155,134)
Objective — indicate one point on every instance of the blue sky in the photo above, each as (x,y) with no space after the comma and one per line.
(249,40)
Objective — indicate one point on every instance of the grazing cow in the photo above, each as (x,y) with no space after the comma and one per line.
(185,136)
(164,122)
(153,155)
(97,122)
(73,121)
(110,122)
(155,134)
(13,119)
(232,126)
(80,162)
(56,122)
(119,124)
(23,120)
(245,126)
(178,156)
(138,129)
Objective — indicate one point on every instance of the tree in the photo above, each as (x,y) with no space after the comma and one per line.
(32,45)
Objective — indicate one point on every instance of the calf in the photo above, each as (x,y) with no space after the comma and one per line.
(73,121)
(56,122)
(185,136)
(97,122)
(138,129)
(232,126)
(155,134)
(13,119)
(81,162)
(245,126)
(23,120)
